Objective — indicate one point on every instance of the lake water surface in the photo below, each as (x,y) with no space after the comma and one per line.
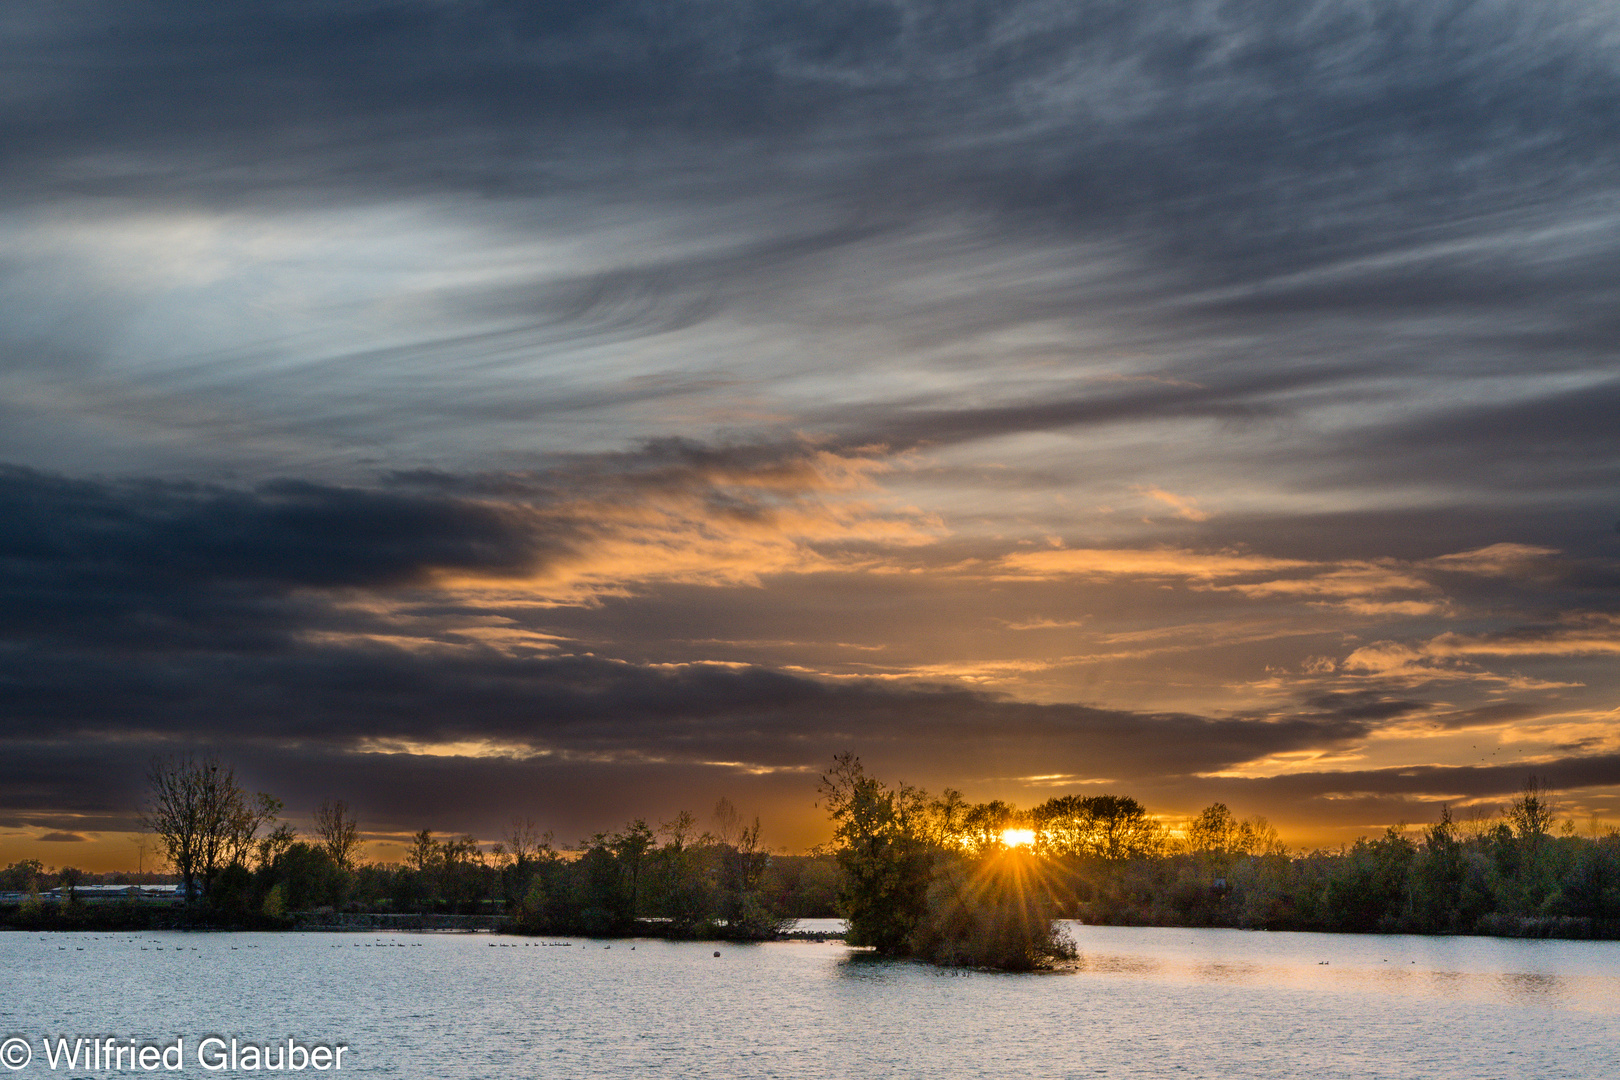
(1142,1003)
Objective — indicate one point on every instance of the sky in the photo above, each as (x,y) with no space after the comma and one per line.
(579,411)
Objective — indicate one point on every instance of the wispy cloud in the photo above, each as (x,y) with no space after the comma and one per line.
(671,391)
(1184,506)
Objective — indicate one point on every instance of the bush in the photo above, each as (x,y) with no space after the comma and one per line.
(990,912)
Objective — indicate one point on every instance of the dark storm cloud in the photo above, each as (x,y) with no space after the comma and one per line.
(1362,705)
(147,565)
(143,615)
(287,533)
(398,793)
(909,735)
(145,560)
(323,704)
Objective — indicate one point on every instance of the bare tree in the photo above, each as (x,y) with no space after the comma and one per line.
(523,842)
(678,832)
(143,844)
(197,811)
(251,815)
(338,832)
(728,822)
(275,843)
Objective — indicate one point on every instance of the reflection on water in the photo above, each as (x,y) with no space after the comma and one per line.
(1559,974)
(1535,987)
(1227,972)
(1140,1003)
(1119,965)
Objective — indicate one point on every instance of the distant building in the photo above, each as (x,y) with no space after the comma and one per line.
(97,894)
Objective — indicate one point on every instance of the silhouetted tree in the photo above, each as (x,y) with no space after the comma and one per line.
(1591,889)
(69,878)
(308,877)
(880,835)
(276,841)
(989,910)
(1531,817)
(742,872)
(337,831)
(524,842)
(1112,827)
(1438,874)
(252,814)
(1371,892)
(630,849)
(682,889)
(423,852)
(22,876)
(982,823)
(200,815)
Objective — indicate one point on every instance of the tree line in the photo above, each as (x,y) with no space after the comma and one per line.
(1516,871)
(240,864)
(938,878)
(952,882)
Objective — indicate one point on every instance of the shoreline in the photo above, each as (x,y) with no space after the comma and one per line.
(106,918)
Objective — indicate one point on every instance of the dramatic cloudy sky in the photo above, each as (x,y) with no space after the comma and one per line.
(586,409)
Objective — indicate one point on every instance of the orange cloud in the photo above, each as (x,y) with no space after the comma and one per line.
(1392,661)
(1142,563)
(1585,634)
(1358,587)
(1352,579)
(709,523)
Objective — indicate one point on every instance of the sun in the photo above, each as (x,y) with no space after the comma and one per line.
(1018,837)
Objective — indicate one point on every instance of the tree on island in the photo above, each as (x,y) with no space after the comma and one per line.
(880,835)
(935,879)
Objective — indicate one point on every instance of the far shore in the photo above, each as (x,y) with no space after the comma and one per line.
(106,917)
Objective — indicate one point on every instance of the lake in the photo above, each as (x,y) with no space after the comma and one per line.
(1142,1003)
